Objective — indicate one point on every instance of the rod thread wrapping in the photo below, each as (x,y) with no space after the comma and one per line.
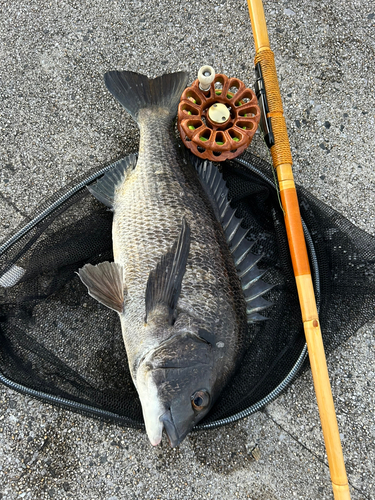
(281,150)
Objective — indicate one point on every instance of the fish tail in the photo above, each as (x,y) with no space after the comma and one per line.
(135,91)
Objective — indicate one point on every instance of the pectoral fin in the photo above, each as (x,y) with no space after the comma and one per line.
(164,282)
(105,283)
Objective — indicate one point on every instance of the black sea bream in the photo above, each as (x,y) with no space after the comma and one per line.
(183,280)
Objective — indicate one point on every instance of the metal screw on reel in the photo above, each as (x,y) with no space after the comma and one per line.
(217,116)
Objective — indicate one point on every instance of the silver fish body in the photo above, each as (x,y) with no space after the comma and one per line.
(174,280)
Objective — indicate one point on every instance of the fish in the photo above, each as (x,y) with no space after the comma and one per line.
(184,281)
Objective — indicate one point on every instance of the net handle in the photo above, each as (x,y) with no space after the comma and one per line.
(282,162)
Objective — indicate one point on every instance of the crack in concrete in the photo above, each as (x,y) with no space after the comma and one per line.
(13,205)
(295,439)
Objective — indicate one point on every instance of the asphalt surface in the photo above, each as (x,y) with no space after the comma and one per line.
(57,121)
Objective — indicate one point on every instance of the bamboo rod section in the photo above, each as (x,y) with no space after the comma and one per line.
(282,162)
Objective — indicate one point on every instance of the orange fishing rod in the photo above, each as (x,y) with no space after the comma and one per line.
(282,162)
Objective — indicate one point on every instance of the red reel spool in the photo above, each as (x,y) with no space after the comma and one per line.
(218,124)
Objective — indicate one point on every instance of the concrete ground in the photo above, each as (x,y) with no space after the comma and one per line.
(57,120)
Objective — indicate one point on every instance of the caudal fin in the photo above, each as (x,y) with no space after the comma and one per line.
(135,91)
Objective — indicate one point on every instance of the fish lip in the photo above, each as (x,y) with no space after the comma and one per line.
(156,441)
(170,429)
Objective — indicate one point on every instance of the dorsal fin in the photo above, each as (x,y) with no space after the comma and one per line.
(240,247)
(164,282)
(104,189)
(214,186)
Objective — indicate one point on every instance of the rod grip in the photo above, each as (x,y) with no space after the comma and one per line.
(280,151)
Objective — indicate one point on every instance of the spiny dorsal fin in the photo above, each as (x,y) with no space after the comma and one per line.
(214,185)
(164,282)
(105,283)
(104,189)
(240,247)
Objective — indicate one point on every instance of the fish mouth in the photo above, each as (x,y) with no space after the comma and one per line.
(171,430)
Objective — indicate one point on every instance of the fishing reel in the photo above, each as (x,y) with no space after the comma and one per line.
(217,116)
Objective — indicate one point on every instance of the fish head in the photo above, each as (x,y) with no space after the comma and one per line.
(176,386)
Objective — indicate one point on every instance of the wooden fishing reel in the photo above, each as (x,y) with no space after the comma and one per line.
(217,116)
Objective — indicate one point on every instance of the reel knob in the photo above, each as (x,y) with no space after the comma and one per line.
(206,76)
(217,116)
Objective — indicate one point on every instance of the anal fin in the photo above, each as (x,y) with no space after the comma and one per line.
(105,283)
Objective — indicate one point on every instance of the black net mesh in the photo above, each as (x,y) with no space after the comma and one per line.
(59,344)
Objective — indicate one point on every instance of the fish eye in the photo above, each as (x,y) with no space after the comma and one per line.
(200,400)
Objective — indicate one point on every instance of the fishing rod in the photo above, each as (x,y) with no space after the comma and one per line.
(276,137)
